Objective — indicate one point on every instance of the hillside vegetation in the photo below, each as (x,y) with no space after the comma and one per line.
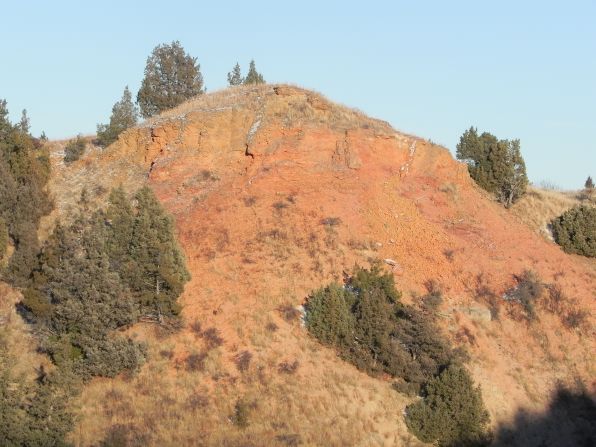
(267,334)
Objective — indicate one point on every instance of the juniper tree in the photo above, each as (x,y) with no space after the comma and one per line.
(253,77)
(452,412)
(235,76)
(158,274)
(496,165)
(124,115)
(24,172)
(80,300)
(575,230)
(171,77)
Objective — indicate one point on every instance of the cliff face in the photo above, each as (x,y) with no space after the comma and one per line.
(277,191)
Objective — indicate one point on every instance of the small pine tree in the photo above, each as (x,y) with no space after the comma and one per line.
(43,136)
(24,124)
(124,116)
(171,77)
(253,77)
(589,187)
(235,76)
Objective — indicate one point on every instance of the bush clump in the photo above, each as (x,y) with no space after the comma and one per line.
(452,412)
(527,292)
(369,326)
(372,329)
(74,149)
(575,230)
(101,273)
(496,165)
(24,172)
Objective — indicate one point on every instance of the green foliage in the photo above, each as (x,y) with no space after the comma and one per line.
(171,77)
(74,149)
(124,116)
(253,77)
(80,301)
(101,274)
(329,317)
(496,165)
(235,76)
(142,246)
(241,415)
(33,414)
(575,230)
(452,412)
(24,172)
(589,185)
(371,328)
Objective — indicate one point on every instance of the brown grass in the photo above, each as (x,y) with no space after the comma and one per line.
(540,206)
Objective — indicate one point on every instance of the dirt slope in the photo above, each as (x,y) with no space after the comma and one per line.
(275,192)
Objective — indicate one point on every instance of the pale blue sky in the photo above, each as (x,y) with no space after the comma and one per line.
(519,69)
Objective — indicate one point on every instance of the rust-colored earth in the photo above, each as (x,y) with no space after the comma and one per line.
(275,192)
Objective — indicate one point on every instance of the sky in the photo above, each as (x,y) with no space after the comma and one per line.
(518,69)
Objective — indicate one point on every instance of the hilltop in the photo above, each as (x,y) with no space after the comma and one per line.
(276,191)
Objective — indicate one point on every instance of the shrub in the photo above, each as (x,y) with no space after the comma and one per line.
(212,338)
(241,414)
(408,388)
(369,326)
(99,274)
(74,149)
(452,412)
(289,312)
(331,221)
(242,360)
(527,292)
(575,230)
(576,318)
(196,327)
(196,362)
(287,367)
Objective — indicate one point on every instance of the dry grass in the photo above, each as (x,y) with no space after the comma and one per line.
(24,361)
(539,206)
(186,407)
(302,106)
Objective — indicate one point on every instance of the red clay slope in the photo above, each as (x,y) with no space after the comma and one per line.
(276,191)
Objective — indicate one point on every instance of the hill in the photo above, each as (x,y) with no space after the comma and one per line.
(276,191)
